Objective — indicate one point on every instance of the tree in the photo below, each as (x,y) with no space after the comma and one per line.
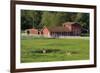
(53,18)
(30,19)
(83,19)
(39,19)
(25,20)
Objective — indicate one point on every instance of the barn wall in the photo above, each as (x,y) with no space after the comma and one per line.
(76,29)
(46,32)
(32,31)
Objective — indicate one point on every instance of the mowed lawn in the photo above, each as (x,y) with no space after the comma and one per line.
(59,49)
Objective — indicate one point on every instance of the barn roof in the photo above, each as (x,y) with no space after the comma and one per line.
(62,28)
(58,29)
(70,23)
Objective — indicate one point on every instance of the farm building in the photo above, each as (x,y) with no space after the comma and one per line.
(67,29)
(32,31)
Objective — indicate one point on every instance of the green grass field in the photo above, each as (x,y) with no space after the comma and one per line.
(59,49)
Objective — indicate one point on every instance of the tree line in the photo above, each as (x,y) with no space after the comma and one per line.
(39,19)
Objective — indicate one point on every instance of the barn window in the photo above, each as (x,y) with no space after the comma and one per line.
(38,32)
(28,32)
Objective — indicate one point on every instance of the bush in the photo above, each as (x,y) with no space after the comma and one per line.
(85,34)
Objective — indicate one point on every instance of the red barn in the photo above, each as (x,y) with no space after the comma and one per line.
(31,31)
(45,32)
(67,29)
(74,27)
